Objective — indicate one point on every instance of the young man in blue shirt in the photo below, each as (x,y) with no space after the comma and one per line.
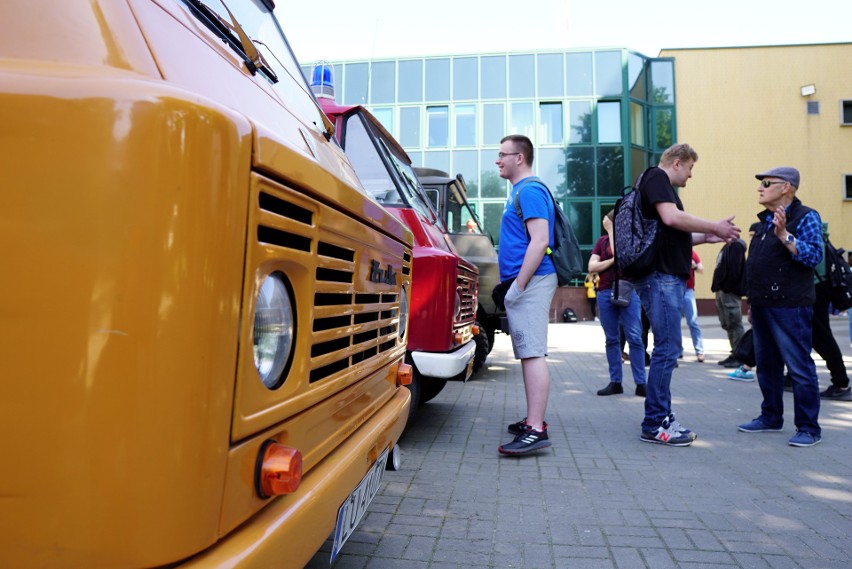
(523,257)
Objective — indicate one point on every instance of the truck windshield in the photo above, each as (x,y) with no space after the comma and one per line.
(460,216)
(386,175)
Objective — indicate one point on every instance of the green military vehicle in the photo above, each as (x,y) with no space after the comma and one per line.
(473,242)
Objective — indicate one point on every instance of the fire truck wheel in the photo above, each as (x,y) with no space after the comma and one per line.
(489,332)
(431,388)
(482,349)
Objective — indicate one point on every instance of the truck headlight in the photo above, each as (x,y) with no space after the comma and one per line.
(273,330)
(403,313)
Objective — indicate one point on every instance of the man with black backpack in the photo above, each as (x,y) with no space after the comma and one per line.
(823,338)
(662,288)
(528,280)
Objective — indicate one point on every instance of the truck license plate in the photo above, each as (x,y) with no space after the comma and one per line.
(353,509)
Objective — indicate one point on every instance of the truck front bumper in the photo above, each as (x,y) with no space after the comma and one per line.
(445,364)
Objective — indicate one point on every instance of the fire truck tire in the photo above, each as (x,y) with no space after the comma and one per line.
(482,349)
(489,332)
(431,388)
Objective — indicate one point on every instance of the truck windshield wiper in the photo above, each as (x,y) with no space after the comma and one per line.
(234,34)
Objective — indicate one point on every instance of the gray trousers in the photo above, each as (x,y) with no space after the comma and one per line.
(730,316)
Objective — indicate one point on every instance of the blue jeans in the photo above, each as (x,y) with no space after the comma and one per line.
(783,336)
(690,312)
(662,299)
(613,318)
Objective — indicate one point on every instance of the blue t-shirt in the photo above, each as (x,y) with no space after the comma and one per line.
(535,203)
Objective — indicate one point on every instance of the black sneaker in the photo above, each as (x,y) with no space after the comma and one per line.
(732,363)
(837,393)
(640,390)
(528,441)
(521,427)
(611,389)
(726,360)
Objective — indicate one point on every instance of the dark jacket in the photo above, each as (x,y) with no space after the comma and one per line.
(730,275)
(773,278)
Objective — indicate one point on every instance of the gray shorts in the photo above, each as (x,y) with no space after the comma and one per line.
(528,313)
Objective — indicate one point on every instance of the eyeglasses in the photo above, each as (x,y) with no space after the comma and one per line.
(767,183)
(502,155)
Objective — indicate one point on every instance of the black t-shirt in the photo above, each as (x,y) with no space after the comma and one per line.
(674,253)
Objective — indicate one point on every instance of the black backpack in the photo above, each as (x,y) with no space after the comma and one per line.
(565,254)
(635,236)
(839,276)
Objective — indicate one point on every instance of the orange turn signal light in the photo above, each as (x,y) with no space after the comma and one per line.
(279,470)
(475,330)
(458,337)
(404,374)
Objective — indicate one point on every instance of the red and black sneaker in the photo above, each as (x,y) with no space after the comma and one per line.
(521,427)
(528,441)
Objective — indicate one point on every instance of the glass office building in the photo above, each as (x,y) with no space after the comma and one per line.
(597,118)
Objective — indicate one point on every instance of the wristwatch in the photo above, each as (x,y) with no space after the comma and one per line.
(789,239)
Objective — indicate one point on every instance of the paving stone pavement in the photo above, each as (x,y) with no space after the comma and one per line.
(600,498)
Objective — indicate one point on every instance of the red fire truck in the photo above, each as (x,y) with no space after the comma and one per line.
(444,286)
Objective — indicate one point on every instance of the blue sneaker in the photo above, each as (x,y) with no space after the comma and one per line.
(741,374)
(758,426)
(804,439)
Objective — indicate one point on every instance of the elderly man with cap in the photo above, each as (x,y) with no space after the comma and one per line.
(786,247)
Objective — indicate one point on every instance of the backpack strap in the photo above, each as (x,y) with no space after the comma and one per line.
(518,194)
(518,202)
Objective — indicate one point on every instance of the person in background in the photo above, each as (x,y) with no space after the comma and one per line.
(523,262)
(823,338)
(729,286)
(690,309)
(617,318)
(591,285)
(662,290)
(786,247)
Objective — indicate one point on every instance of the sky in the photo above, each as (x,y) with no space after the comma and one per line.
(337,30)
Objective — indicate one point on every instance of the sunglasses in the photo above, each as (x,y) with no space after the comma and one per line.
(767,183)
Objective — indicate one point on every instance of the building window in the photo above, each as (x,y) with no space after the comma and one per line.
(663,128)
(609,122)
(383,83)
(551,72)
(409,127)
(578,73)
(662,82)
(437,127)
(847,183)
(580,122)
(846,112)
(465,125)
(812,107)
(355,83)
(437,160)
(466,163)
(580,171)
(550,163)
(610,165)
(464,79)
(385,116)
(608,73)
(522,120)
(493,77)
(521,76)
(491,185)
(411,81)
(636,76)
(493,123)
(437,79)
(637,124)
(550,123)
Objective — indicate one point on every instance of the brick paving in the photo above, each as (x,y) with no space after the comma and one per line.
(600,498)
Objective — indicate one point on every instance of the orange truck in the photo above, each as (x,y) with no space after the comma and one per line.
(204,314)
(441,343)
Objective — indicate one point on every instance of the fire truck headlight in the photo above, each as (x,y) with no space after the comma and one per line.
(403,312)
(273,330)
